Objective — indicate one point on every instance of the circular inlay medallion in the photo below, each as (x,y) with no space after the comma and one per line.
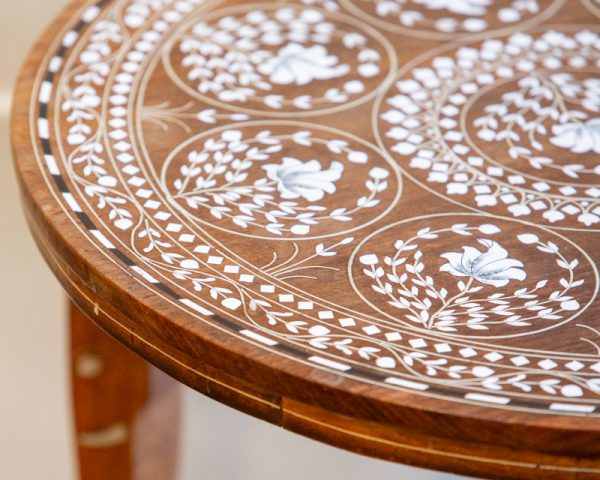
(279,60)
(476,125)
(472,276)
(281,180)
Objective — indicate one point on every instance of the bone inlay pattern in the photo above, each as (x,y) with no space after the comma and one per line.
(449,190)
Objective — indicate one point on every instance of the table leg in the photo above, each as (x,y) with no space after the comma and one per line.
(126,411)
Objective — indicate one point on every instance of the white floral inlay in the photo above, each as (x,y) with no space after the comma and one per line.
(248,58)
(578,137)
(481,302)
(557,104)
(549,98)
(248,181)
(299,65)
(492,267)
(304,179)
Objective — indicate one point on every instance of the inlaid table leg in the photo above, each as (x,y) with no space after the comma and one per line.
(126,411)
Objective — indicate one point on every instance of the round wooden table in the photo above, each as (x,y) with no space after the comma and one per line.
(375,223)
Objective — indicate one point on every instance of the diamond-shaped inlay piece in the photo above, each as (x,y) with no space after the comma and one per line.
(538,205)
(493,356)
(575,365)
(151,204)
(596,367)
(130,169)
(187,238)
(214,260)
(118,112)
(568,190)
(117,134)
(481,189)
(371,330)
(541,186)
(520,360)
(516,179)
(162,216)
(570,209)
(121,88)
(495,171)
(417,343)
(122,146)
(467,352)
(202,249)
(306,305)
(231,269)
(117,123)
(475,161)
(118,100)
(246,278)
(136,181)
(124,78)
(144,193)
(508,198)
(267,288)
(393,336)
(547,364)
(174,227)
(125,157)
(286,298)
(326,315)
(347,322)
(442,348)
(593,192)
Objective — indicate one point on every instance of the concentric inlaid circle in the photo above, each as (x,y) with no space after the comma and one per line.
(279,60)
(280,180)
(508,125)
(473,277)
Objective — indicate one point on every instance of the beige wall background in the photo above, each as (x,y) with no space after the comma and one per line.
(35,425)
(35,440)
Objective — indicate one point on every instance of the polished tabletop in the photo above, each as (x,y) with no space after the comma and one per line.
(373,222)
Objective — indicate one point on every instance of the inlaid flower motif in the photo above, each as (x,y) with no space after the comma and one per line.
(299,65)
(308,180)
(545,121)
(578,137)
(492,267)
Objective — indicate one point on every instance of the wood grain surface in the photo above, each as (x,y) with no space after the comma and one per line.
(374,223)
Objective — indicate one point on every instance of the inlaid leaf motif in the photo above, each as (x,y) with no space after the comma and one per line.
(248,57)
(486,293)
(253,183)
(525,155)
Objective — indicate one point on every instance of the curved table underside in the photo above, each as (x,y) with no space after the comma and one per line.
(372,223)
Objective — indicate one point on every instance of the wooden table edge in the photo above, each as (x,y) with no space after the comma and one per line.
(356,434)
